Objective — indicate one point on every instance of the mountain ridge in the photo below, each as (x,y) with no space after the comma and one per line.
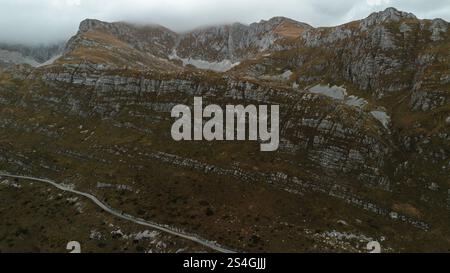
(237,42)
(231,43)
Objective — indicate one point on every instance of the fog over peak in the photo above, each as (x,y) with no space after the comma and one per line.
(50,21)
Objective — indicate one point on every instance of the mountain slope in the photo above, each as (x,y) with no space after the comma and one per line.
(364,130)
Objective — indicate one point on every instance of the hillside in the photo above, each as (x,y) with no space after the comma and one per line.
(364,130)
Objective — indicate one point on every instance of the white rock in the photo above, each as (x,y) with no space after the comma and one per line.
(382,117)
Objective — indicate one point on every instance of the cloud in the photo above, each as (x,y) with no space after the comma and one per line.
(47,21)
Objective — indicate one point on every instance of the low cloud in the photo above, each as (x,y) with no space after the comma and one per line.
(48,21)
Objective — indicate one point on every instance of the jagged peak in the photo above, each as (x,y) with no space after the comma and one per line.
(390,14)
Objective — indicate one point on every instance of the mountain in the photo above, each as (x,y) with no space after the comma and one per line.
(237,42)
(384,53)
(364,133)
(31,55)
(217,47)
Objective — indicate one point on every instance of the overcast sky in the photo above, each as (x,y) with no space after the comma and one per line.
(47,21)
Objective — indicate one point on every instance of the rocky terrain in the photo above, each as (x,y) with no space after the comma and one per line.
(11,55)
(364,113)
(59,216)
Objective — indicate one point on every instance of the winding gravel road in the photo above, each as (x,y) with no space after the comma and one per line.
(127,217)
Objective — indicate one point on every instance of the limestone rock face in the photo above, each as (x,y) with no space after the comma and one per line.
(237,42)
(337,142)
(12,54)
(438,27)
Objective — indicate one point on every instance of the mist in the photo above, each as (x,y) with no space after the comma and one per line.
(33,22)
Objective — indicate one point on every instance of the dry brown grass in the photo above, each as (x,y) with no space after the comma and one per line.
(289,30)
(105,38)
(407,209)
